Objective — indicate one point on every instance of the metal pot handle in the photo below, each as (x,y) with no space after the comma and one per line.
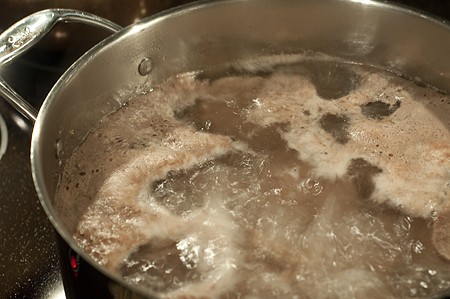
(26,33)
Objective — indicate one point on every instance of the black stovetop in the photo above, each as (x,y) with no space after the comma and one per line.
(29,263)
(29,266)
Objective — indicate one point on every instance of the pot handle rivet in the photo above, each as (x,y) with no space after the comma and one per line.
(146,66)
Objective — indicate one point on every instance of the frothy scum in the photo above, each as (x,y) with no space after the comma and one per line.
(313,180)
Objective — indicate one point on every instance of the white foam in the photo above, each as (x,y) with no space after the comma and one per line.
(281,221)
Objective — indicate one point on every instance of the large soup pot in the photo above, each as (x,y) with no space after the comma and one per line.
(205,34)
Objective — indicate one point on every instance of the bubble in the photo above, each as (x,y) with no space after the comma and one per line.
(189,252)
(418,247)
(257,216)
(310,186)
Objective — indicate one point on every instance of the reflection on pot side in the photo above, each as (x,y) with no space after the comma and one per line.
(3,137)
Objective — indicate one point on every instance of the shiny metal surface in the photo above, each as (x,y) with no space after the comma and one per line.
(179,41)
(26,33)
(25,108)
(122,12)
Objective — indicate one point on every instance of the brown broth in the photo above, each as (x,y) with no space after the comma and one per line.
(269,181)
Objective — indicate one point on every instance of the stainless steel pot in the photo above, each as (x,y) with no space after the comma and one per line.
(204,34)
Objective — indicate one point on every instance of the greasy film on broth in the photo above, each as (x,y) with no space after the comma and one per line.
(283,177)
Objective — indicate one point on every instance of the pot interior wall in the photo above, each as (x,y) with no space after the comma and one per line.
(200,36)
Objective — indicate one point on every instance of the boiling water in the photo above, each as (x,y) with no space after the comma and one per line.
(313,179)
